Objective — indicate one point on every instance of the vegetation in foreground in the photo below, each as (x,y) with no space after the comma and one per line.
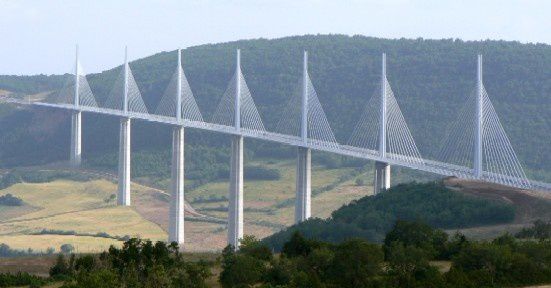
(405,259)
(372,217)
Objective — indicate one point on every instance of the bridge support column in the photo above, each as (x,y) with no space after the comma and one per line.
(176,217)
(76,128)
(382,177)
(303,193)
(235,208)
(123,197)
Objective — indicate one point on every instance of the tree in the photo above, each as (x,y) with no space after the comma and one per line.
(240,269)
(408,267)
(66,248)
(60,268)
(252,247)
(416,234)
(356,263)
(298,246)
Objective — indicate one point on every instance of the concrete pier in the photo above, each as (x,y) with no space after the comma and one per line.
(235,207)
(123,197)
(303,185)
(75,155)
(176,216)
(382,177)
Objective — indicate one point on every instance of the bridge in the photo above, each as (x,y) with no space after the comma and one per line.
(477,147)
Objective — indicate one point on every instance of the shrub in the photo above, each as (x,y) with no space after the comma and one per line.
(10,200)
(66,248)
(261,173)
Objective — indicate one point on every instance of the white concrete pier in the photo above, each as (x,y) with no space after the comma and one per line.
(75,155)
(303,185)
(176,213)
(304,166)
(235,207)
(382,177)
(123,197)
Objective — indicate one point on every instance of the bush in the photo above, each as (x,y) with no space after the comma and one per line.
(66,248)
(21,279)
(10,200)
(430,241)
(261,173)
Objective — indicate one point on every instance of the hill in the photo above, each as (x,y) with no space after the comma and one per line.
(437,204)
(431,79)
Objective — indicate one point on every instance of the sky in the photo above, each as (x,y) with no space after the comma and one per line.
(39,36)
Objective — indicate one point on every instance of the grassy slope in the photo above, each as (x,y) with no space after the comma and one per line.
(81,207)
(262,200)
(68,205)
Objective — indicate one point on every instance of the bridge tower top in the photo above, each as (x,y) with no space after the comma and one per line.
(77,75)
(125,95)
(237,103)
(479,120)
(179,86)
(304,118)
(383,109)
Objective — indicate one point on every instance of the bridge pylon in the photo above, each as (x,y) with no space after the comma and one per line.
(235,206)
(176,211)
(304,156)
(381,179)
(75,154)
(123,197)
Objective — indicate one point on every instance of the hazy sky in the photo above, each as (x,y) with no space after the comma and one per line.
(38,36)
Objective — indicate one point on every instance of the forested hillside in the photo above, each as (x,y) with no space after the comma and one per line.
(371,217)
(430,78)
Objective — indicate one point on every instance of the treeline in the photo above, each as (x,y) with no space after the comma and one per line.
(404,260)
(139,263)
(40,176)
(32,84)
(431,80)
(541,230)
(412,255)
(74,233)
(372,217)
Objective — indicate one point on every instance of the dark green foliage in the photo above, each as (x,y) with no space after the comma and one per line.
(372,217)
(503,262)
(66,248)
(72,232)
(39,176)
(508,263)
(261,173)
(299,246)
(408,266)
(431,242)
(355,263)
(21,279)
(240,270)
(431,79)
(137,264)
(61,268)
(32,84)
(540,230)
(10,200)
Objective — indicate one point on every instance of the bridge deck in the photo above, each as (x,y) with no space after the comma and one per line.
(420,164)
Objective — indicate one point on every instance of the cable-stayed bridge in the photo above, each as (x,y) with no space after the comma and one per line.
(477,146)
